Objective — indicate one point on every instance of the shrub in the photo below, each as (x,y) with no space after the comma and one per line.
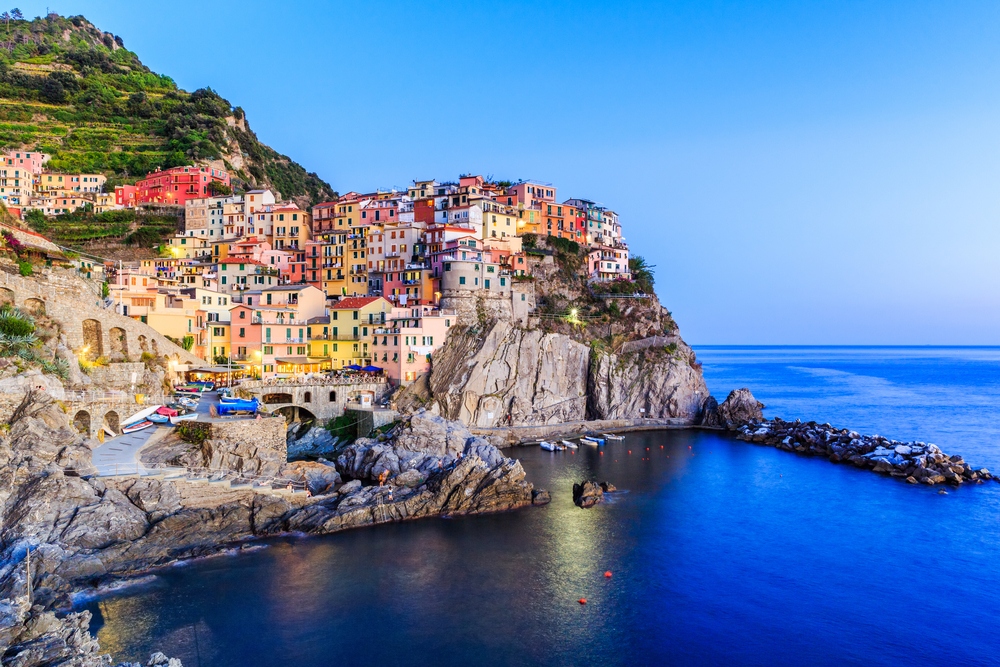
(24,268)
(529,240)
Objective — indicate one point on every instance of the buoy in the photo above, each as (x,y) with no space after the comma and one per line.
(608,574)
(602,453)
(647,449)
(630,451)
(582,601)
(689,446)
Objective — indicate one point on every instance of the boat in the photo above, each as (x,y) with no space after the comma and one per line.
(189,389)
(209,386)
(549,446)
(137,426)
(223,409)
(567,443)
(183,418)
(157,418)
(108,432)
(587,440)
(139,416)
(612,436)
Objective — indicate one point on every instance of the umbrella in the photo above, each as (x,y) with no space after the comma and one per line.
(371,369)
(353,367)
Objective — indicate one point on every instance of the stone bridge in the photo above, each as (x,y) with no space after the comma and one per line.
(103,332)
(320,399)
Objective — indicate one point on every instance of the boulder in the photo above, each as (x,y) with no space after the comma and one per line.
(587,494)
(739,408)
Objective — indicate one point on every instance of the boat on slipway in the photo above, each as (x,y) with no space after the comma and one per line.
(139,416)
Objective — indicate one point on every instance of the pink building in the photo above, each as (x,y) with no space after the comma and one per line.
(404,346)
(30,161)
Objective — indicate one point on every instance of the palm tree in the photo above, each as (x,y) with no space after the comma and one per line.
(642,273)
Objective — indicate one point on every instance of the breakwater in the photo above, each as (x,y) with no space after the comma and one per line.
(916,462)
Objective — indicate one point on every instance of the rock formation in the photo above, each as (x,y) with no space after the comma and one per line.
(510,376)
(739,408)
(587,494)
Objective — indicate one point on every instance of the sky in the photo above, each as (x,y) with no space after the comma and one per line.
(798,172)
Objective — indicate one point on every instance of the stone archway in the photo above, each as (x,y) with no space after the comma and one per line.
(6,296)
(34,306)
(81,422)
(294,413)
(92,339)
(111,421)
(118,344)
(143,344)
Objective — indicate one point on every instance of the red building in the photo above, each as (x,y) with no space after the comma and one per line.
(171,186)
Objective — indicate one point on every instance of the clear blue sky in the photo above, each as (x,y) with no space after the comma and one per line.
(799,172)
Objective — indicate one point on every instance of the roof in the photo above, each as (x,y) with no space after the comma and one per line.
(325,319)
(355,302)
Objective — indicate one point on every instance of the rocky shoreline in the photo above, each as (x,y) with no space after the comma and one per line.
(85,532)
(916,462)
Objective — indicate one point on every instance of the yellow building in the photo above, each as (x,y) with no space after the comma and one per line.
(189,247)
(218,340)
(104,201)
(345,262)
(499,221)
(346,335)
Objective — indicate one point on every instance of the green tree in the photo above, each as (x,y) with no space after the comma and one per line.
(187,342)
(642,273)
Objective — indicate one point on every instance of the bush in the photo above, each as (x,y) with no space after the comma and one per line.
(24,268)
(529,240)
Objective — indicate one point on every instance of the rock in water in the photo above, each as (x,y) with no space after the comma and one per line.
(709,415)
(740,408)
(608,487)
(587,494)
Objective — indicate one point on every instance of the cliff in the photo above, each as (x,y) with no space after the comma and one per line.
(576,356)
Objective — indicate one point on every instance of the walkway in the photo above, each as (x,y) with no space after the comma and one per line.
(121,455)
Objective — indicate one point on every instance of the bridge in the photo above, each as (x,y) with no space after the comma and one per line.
(320,399)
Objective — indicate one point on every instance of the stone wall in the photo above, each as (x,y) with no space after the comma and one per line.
(119,376)
(255,446)
(85,324)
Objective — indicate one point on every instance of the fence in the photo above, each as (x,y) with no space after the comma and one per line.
(112,396)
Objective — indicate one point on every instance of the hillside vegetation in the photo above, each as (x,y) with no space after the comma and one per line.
(75,92)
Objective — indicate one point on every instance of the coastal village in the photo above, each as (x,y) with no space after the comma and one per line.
(361,282)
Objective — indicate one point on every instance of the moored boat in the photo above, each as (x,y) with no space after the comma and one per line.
(593,442)
(548,446)
(137,426)
(567,443)
(139,416)
(612,436)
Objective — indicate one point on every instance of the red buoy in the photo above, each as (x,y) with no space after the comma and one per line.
(689,446)
(582,601)
(630,451)
(608,574)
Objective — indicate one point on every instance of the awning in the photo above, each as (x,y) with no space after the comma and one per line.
(301,360)
(353,367)
(372,369)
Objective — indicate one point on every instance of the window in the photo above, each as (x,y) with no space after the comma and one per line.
(461,280)
(308,397)
(268,349)
(333,396)
(243,333)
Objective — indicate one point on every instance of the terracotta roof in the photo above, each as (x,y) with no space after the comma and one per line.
(354,302)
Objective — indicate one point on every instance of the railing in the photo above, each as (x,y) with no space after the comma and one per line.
(314,382)
(112,396)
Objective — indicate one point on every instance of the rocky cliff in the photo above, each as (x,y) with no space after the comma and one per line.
(508,375)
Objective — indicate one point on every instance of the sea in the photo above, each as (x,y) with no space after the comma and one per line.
(712,552)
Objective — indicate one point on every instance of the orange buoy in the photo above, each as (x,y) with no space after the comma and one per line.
(582,600)
(602,453)
(608,574)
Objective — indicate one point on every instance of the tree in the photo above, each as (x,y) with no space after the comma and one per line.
(5,17)
(642,273)
(16,14)
(187,342)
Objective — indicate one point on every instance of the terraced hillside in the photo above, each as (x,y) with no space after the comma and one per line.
(71,90)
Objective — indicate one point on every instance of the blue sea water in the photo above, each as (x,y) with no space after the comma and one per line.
(721,552)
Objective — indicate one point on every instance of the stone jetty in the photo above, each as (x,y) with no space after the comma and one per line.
(916,462)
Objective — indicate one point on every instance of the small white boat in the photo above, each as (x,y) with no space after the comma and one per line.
(549,446)
(567,443)
(108,432)
(157,418)
(183,418)
(611,436)
(138,426)
(139,416)
(589,441)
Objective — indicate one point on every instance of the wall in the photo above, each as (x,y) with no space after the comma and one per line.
(319,404)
